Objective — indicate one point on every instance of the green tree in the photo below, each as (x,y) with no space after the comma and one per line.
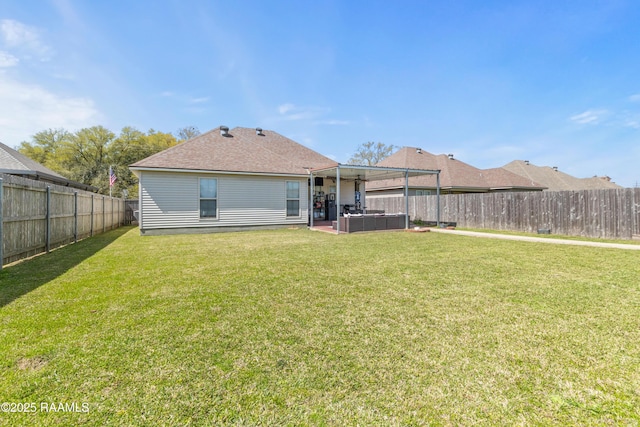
(130,147)
(370,153)
(86,155)
(45,147)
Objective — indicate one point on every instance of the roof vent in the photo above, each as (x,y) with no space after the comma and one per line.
(419,150)
(450,156)
(259,132)
(555,168)
(526,162)
(224,131)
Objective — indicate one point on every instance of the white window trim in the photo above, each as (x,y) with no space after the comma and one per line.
(208,218)
(286,200)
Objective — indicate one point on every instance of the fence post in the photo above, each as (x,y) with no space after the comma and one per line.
(91,224)
(75,217)
(438,200)
(112,223)
(48,221)
(1,222)
(103,216)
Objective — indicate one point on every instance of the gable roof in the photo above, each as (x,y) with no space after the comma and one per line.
(556,180)
(244,150)
(13,162)
(454,174)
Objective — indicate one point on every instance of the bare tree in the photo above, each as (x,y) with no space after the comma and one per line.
(188,132)
(370,153)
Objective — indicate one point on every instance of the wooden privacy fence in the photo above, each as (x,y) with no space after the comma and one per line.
(36,216)
(613,213)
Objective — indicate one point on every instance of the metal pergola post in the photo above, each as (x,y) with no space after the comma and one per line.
(406,199)
(338,199)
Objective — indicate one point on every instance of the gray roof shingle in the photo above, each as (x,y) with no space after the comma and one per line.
(243,151)
(556,180)
(454,174)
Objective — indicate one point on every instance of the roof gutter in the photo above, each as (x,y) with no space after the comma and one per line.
(137,169)
(41,176)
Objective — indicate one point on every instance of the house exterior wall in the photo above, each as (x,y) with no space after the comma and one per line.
(387,193)
(171,200)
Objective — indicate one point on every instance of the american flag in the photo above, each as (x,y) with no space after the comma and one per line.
(112,177)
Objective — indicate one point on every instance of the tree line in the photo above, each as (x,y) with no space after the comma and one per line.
(86,155)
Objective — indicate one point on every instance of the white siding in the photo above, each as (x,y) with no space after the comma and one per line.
(348,193)
(171,200)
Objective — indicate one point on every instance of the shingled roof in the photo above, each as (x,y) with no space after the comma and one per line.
(455,175)
(556,180)
(13,162)
(243,150)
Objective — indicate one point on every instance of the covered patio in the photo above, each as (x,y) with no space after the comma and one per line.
(337,198)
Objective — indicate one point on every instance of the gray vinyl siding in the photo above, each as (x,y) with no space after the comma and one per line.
(387,193)
(171,200)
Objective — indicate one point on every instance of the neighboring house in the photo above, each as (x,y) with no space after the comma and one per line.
(13,162)
(555,180)
(226,180)
(455,176)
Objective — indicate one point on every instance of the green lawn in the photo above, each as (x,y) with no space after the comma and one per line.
(293,327)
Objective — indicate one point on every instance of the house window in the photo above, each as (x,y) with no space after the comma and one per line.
(423,192)
(208,198)
(293,198)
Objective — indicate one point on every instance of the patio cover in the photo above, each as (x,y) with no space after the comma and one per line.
(372,173)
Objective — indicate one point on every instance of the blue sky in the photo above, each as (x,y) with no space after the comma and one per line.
(553,82)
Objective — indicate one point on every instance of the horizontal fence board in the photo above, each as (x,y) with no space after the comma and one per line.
(611,213)
(24,216)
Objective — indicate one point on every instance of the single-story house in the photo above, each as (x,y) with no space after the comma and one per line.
(225,180)
(556,180)
(455,176)
(13,162)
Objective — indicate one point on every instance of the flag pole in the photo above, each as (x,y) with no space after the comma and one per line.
(112,179)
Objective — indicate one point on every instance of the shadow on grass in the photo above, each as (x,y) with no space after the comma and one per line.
(22,278)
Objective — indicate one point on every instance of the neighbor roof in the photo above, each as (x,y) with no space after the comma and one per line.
(556,180)
(244,150)
(454,174)
(13,162)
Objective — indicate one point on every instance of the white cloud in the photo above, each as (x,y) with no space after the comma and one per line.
(635,98)
(285,108)
(7,60)
(293,112)
(199,100)
(589,117)
(27,109)
(334,122)
(632,122)
(17,35)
